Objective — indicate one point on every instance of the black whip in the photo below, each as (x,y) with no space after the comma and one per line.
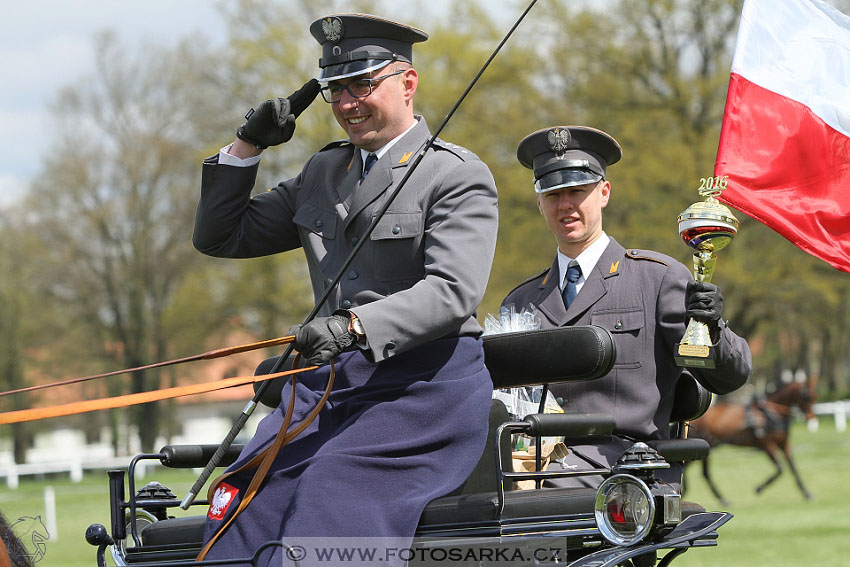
(249,408)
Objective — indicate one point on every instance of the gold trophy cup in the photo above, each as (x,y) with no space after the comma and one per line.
(706,226)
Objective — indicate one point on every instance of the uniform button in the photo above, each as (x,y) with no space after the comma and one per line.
(618,325)
(346,304)
(396,229)
(354,240)
(352,275)
(319,224)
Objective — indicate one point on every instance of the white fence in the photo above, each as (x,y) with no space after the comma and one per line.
(838,410)
(74,467)
(67,451)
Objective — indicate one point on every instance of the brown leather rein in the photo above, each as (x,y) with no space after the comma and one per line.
(33,414)
(261,462)
(217,353)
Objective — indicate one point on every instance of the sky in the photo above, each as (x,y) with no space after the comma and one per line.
(48,44)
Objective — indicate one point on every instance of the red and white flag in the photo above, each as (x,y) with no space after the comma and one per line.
(785,139)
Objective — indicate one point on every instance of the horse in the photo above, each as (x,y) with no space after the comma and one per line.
(763,424)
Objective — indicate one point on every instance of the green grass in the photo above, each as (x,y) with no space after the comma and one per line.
(77,506)
(778,528)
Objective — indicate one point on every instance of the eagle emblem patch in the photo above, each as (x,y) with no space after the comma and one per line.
(558,139)
(332,28)
(221,501)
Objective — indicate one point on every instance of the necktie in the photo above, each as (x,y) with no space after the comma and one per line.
(570,291)
(367,165)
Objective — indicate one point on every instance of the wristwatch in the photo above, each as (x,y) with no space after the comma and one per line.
(356,327)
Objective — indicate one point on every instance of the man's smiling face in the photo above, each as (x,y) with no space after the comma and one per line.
(374,120)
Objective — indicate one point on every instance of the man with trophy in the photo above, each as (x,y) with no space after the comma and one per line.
(643,297)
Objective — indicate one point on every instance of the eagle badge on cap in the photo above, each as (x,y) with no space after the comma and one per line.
(332,28)
(558,139)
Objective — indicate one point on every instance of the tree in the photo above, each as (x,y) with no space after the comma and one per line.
(112,212)
(15,298)
(114,206)
(654,74)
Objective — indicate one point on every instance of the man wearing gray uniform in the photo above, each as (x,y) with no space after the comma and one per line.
(407,418)
(643,297)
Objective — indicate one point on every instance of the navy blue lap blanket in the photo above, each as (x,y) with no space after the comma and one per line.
(391,437)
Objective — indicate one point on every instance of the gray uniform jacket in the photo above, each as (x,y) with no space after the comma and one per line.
(639,296)
(424,270)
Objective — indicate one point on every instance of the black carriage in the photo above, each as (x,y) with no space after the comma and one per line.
(631,519)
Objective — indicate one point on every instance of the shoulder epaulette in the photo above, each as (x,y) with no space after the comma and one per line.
(636,254)
(336,144)
(459,151)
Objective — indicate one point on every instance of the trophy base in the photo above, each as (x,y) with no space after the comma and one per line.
(694,356)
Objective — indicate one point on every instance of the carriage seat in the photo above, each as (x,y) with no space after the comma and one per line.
(514,359)
(517,359)
(690,401)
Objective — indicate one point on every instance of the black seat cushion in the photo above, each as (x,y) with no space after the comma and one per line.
(469,509)
(548,502)
(679,450)
(483,507)
(537,357)
(690,399)
(474,509)
(173,531)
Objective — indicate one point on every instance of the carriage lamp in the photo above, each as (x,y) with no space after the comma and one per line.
(624,509)
(626,503)
(641,460)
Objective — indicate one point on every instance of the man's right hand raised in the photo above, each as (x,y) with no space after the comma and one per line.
(273,122)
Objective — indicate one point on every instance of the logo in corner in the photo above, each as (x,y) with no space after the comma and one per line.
(32,536)
(221,500)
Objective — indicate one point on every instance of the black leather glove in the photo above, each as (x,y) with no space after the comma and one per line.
(704,302)
(323,338)
(274,121)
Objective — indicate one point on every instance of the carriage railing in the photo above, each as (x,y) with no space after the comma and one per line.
(518,359)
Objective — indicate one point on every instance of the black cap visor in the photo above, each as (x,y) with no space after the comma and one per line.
(562,178)
(351,69)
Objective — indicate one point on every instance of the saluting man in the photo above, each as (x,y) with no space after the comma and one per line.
(643,297)
(407,418)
